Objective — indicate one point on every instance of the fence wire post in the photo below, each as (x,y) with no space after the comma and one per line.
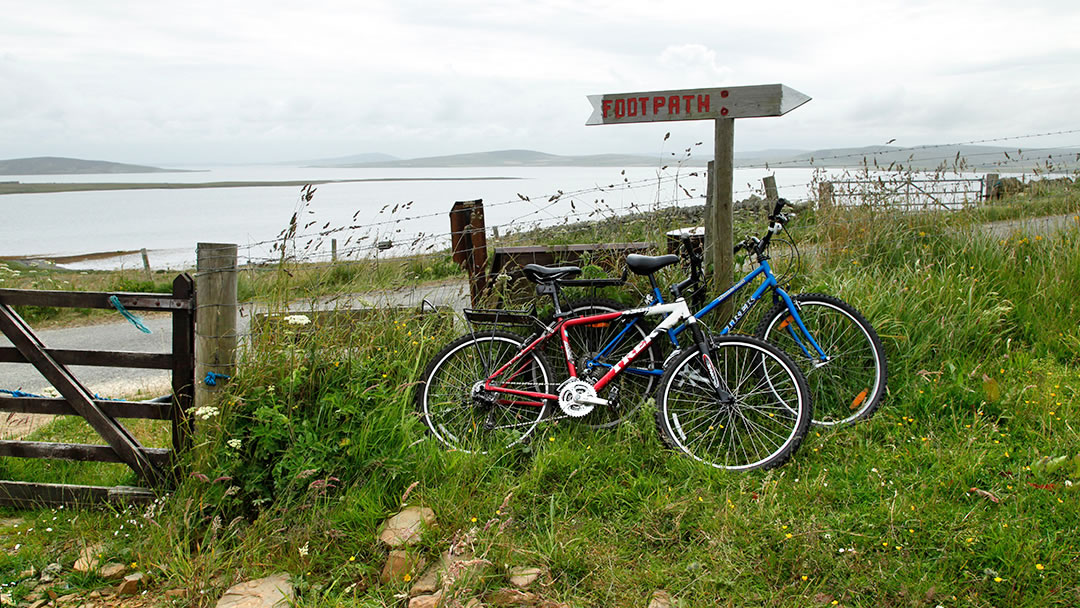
(215,316)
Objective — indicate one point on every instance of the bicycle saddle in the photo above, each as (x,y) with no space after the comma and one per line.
(545,274)
(648,264)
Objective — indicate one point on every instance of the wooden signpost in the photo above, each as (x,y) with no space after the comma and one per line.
(723,105)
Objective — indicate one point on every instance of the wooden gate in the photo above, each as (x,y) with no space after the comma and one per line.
(154,466)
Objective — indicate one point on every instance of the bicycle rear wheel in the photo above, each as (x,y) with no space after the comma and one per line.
(599,346)
(452,402)
(849,386)
(755,417)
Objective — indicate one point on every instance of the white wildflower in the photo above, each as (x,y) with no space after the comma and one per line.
(205,412)
(234,444)
(304,550)
(297,320)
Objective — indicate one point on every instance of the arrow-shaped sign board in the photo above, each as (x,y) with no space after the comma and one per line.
(695,104)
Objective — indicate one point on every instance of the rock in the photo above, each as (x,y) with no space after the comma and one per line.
(65,599)
(661,599)
(131,583)
(88,558)
(275,591)
(94,595)
(427,583)
(406,527)
(176,593)
(521,577)
(511,597)
(50,572)
(426,601)
(399,565)
(112,571)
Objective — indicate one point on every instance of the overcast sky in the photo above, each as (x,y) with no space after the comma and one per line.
(260,80)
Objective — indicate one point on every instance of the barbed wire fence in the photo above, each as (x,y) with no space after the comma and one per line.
(399,233)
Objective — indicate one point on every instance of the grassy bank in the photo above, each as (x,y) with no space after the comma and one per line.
(954,494)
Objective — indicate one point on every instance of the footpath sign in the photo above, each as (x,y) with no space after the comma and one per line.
(723,105)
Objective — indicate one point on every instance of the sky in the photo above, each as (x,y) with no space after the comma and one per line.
(251,81)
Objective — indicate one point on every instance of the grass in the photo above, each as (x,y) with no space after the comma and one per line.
(954,494)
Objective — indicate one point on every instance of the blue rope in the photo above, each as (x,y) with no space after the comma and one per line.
(18,393)
(136,321)
(212,378)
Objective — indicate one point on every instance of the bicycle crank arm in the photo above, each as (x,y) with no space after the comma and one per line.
(587,400)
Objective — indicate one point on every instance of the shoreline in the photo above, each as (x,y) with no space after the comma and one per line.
(53,187)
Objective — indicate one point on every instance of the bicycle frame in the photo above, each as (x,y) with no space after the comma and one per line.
(677,312)
(769,282)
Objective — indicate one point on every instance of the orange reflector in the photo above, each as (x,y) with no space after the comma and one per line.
(859,399)
(785,322)
(600,325)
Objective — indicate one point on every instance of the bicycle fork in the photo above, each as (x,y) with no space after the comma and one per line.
(703,343)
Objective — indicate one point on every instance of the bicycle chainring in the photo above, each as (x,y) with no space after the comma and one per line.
(571,393)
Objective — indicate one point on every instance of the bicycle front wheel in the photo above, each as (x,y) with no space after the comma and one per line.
(849,385)
(461,414)
(753,416)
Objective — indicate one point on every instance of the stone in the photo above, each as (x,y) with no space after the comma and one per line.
(112,571)
(65,599)
(406,526)
(511,597)
(661,599)
(275,591)
(426,601)
(88,558)
(522,577)
(400,564)
(175,593)
(131,583)
(94,595)
(50,572)
(427,583)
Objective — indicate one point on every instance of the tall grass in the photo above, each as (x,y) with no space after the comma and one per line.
(945,497)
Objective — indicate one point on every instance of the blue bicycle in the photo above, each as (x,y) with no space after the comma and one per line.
(835,346)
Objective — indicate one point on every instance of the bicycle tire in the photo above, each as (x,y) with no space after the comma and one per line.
(850,386)
(445,393)
(759,426)
(586,342)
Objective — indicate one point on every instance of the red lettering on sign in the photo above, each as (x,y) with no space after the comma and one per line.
(723,111)
(673,105)
(605,107)
(620,108)
(631,107)
(644,105)
(724,94)
(686,102)
(657,103)
(703,103)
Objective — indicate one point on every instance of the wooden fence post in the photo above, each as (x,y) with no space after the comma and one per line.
(215,317)
(333,250)
(826,194)
(723,178)
(146,265)
(771,194)
(990,181)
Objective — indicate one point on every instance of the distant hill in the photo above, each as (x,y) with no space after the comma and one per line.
(515,158)
(55,165)
(986,158)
